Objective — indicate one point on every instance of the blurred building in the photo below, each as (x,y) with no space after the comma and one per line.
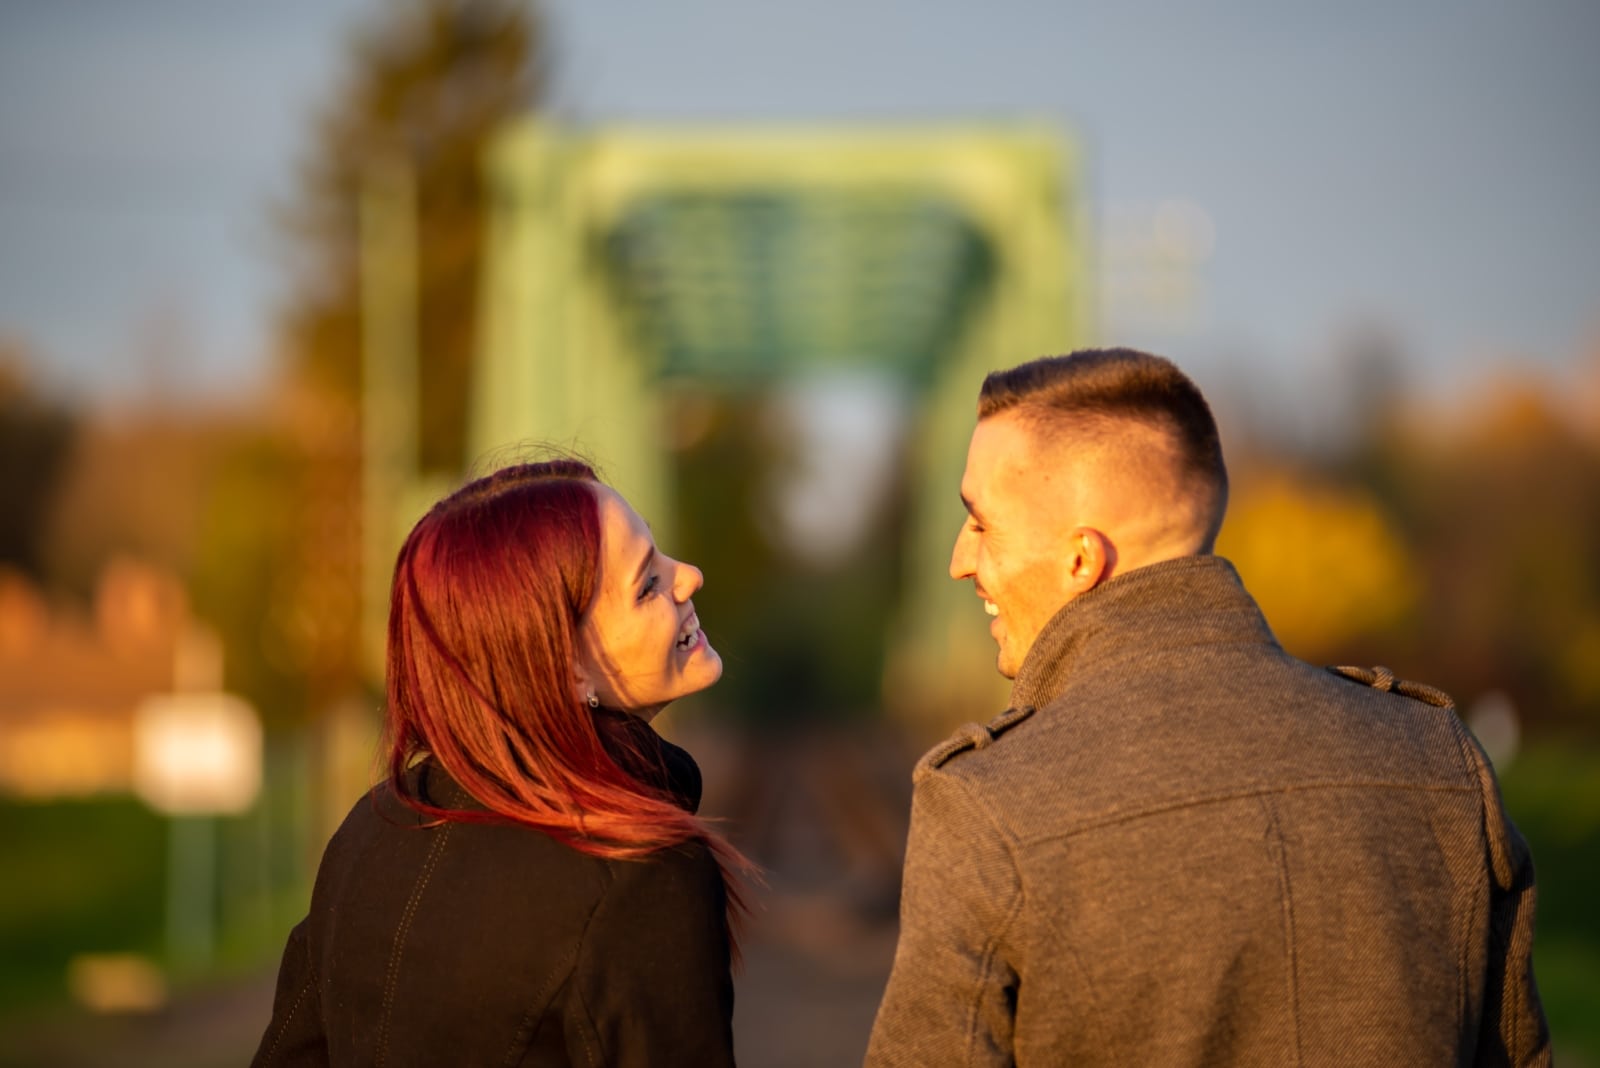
(72,680)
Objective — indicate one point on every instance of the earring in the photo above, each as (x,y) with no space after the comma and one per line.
(594,702)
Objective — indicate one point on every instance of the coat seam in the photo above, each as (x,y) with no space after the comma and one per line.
(577,955)
(1202,800)
(1499,941)
(294,1007)
(1479,903)
(991,951)
(992,944)
(1290,937)
(563,970)
(392,975)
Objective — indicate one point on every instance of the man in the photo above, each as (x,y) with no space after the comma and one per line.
(1181,846)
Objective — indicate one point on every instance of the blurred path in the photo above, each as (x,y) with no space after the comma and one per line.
(209,1028)
(796,1008)
(824,812)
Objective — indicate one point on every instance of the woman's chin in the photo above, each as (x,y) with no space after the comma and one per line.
(701,663)
(701,673)
(704,673)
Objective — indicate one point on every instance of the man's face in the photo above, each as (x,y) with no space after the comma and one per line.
(1014,543)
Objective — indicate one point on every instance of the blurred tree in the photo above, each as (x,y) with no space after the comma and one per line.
(1326,564)
(1504,505)
(241,575)
(36,438)
(133,487)
(430,82)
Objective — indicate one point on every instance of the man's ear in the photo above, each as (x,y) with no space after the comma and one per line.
(1091,558)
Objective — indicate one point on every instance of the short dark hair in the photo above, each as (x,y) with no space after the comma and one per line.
(1117,384)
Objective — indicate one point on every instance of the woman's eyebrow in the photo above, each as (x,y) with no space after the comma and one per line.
(644,565)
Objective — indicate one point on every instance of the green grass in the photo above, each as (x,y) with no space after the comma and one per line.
(91,877)
(84,877)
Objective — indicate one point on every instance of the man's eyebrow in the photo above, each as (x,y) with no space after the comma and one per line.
(971,508)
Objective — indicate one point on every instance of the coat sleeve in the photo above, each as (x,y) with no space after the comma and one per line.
(652,979)
(951,998)
(294,1037)
(1515,1031)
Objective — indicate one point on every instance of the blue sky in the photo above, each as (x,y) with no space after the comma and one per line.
(1427,168)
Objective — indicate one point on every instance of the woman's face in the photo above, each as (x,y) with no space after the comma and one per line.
(642,646)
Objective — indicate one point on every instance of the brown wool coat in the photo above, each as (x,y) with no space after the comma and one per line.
(1184,847)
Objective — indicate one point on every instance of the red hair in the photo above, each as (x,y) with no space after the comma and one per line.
(490,589)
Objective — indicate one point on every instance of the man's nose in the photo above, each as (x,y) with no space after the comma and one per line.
(961,555)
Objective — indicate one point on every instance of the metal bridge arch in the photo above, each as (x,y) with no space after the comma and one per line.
(590,232)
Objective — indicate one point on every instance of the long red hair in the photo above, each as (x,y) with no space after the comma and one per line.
(490,589)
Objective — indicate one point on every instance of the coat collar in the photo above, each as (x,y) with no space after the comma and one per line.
(1189,600)
(650,758)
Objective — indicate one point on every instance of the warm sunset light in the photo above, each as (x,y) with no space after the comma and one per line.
(278,279)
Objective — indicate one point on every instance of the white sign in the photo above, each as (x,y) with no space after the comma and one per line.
(196,753)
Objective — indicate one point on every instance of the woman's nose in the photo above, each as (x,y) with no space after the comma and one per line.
(688,580)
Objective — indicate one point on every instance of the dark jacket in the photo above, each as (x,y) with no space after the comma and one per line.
(1183,846)
(484,944)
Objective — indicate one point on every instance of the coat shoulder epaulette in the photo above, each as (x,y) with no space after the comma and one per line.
(969,736)
(1381,678)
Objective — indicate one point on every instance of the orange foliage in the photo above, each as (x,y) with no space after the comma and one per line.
(1325,563)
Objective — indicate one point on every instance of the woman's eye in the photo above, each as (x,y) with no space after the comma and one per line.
(651,584)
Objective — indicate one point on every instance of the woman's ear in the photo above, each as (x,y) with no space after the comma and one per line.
(583,677)
(593,676)
(1091,559)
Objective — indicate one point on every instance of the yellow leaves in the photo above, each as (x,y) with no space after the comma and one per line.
(1324,562)
(1579,662)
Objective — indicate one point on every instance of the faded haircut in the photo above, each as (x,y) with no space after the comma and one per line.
(1093,389)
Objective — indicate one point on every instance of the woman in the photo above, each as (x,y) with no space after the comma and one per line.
(530,886)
